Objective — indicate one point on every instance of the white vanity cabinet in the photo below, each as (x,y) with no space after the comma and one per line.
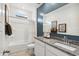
(39,48)
(43,49)
(54,51)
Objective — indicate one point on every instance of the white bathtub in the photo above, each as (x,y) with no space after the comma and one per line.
(17,47)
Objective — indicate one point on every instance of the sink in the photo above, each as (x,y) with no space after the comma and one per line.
(65,46)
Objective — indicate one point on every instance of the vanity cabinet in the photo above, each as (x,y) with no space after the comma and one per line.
(43,49)
(54,51)
(39,48)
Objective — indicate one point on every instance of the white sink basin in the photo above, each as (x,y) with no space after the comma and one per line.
(65,46)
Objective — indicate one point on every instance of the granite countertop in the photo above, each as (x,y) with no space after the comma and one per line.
(51,42)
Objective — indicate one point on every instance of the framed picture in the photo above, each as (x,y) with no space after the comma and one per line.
(62,27)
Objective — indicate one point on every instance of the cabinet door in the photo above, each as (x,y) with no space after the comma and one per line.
(48,53)
(39,48)
(56,51)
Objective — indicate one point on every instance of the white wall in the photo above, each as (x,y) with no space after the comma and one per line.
(2,36)
(68,14)
(46,24)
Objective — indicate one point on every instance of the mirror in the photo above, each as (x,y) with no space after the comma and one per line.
(67,18)
(62,28)
(54,26)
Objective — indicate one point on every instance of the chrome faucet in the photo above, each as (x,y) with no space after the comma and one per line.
(66,40)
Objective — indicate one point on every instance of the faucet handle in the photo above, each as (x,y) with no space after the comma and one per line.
(66,40)
(65,37)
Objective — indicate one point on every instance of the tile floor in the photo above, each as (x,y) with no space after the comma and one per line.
(21,53)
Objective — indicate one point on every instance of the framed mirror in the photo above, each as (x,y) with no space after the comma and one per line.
(54,26)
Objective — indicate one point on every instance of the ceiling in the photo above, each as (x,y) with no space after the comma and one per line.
(29,6)
(48,7)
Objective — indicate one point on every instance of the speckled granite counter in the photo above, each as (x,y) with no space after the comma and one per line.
(52,41)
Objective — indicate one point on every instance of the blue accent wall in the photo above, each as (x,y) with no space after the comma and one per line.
(39,22)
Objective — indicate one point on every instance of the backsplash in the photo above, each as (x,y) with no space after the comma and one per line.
(71,37)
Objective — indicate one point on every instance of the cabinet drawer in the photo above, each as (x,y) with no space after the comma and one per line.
(56,51)
(39,53)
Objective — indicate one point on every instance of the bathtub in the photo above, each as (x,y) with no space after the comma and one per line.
(18,46)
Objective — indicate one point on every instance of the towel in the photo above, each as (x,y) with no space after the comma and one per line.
(8,29)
